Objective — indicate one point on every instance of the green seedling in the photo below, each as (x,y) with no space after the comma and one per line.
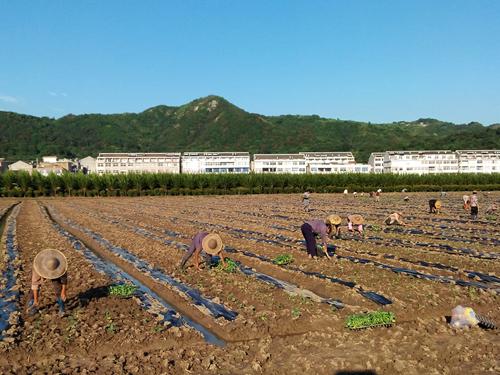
(376,228)
(122,290)
(283,259)
(71,327)
(373,319)
(491,217)
(110,325)
(158,329)
(231,297)
(296,313)
(231,266)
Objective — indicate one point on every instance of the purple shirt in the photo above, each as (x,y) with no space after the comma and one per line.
(196,244)
(319,227)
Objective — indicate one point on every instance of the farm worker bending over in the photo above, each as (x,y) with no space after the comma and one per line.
(316,227)
(210,243)
(355,220)
(434,206)
(474,206)
(396,218)
(49,264)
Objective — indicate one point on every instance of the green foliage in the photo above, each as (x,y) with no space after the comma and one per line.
(23,185)
(122,290)
(214,124)
(373,319)
(283,259)
(110,326)
(296,313)
(231,266)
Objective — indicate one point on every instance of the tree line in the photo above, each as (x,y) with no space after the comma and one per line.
(22,184)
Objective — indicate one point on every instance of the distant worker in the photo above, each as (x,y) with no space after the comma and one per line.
(492,208)
(474,206)
(377,195)
(321,228)
(466,200)
(396,218)
(434,206)
(346,192)
(335,221)
(208,243)
(306,201)
(49,264)
(355,194)
(406,198)
(442,194)
(357,220)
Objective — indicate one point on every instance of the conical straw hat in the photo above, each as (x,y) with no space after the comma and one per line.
(50,264)
(333,219)
(438,204)
(212,244)
(356,219)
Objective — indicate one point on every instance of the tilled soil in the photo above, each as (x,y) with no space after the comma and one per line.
(274,332)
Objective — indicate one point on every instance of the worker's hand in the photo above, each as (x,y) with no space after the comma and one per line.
(325,249)
(63,295)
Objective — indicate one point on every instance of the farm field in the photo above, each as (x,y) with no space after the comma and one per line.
(262,318)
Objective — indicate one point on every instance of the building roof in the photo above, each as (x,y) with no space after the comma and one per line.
(278,157)
(87,158)
(413,152)
(478,151)
(216,154)
(327,154)
(138,154)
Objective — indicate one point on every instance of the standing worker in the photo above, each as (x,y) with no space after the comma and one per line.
(377,195)
(355,220)
(210,243)
(305,201)
(49,264)
(434,206)
(315,227)
(474,206)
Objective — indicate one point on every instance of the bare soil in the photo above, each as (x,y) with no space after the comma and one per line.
(275,332)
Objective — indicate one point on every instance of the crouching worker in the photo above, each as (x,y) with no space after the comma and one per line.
(434,206)
(210,243)
(49,264)
(315,227)
(396,218)
(335,221)
(357,220)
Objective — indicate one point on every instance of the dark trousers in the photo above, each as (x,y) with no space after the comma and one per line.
(474,211)
(308,234)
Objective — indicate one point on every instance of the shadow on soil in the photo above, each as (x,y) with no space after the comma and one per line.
(83,298)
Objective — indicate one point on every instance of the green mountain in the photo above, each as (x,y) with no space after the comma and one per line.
(214,124)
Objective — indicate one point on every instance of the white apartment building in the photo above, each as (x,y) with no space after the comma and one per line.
(376,162)
(88,164)
(215,162)
(122,163)
(359,168)
(478,161)
(329,162)
(279,163)
(420,162)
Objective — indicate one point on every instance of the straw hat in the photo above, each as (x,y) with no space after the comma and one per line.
(356,219)
(437,204)
(212,244)
(333,219)
(50,264)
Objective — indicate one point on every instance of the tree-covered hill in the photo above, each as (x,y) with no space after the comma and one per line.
(214,124)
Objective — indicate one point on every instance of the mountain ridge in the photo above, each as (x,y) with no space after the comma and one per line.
(212,123)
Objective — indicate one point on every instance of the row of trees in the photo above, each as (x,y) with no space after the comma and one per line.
(22,184)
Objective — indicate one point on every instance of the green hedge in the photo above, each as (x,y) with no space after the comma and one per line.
(24,185)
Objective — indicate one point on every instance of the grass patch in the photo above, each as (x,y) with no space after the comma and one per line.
(122,290)
(283,259)
(231,266)
(373,319)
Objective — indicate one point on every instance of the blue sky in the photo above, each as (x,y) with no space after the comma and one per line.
(373,60)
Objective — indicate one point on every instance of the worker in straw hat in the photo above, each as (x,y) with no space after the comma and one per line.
(316,227)
(210,243)
(434,206)
(396,218)
(49,264)
(335,221)
(357,220)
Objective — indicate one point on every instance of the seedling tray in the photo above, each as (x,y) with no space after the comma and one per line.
(370,320)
